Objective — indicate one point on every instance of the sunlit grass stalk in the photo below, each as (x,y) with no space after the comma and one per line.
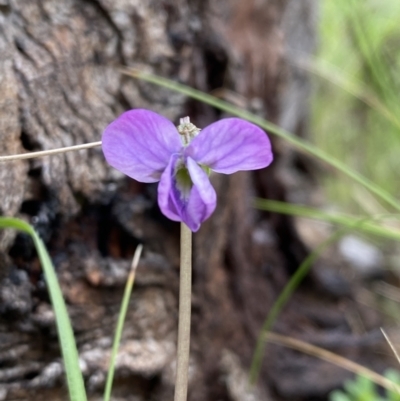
(185,296)
(66,338)
(268,126)
(121,319)
(282,300)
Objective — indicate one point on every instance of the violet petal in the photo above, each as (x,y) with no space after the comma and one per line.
(202,199)
(192,209)
(231,145)
(169,198)
(139,143)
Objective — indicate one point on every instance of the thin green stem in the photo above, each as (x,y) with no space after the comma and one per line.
(121,319)
(185,292)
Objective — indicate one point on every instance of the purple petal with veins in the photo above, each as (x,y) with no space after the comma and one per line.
(231,145)
(140,143)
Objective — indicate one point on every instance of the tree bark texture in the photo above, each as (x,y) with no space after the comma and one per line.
(60,85)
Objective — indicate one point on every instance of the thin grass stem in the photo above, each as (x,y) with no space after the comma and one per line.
(185,292)
(121,319)
(32,155)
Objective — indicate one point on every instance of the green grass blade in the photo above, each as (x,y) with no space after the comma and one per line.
(283,298)
(69,351)
(268,126)
(363,224)
(120,322)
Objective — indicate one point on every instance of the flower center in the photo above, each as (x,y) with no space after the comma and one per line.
(183,181)
(187,130)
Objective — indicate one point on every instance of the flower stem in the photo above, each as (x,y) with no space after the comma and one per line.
(185,291)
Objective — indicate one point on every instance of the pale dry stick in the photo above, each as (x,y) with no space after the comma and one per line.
(328,356)
(185,295)
(396,354)
(32,155)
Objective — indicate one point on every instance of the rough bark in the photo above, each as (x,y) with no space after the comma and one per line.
(60,86)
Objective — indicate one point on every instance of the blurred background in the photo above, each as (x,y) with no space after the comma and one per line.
(326,72)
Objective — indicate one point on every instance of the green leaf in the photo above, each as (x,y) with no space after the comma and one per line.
(66,338)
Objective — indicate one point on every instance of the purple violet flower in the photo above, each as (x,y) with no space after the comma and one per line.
(149,148)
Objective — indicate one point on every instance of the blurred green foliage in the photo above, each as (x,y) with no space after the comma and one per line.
(360,43)
(363,389)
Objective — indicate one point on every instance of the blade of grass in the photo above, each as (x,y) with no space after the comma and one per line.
(268,126)
(121,319)
(351,222)
(66,337)
(282,300)
(335,359)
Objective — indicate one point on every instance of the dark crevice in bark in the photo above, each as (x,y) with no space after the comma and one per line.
(5,9)
(20,46)
(216,61)
(28,142)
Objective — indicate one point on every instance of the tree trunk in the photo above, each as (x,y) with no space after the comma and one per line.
(60,85)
